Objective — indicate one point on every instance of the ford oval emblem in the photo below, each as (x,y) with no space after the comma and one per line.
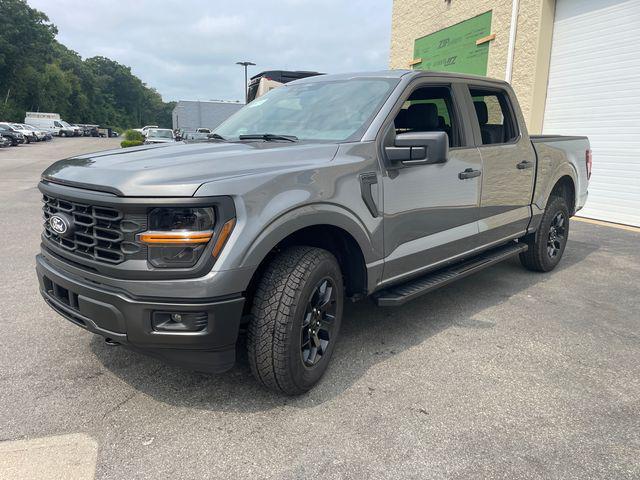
(60,224)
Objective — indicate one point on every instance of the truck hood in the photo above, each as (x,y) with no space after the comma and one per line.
(178,170)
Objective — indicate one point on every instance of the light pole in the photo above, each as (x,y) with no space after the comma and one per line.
(246,87)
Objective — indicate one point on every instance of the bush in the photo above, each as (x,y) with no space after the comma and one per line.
(133,136)
(131,143)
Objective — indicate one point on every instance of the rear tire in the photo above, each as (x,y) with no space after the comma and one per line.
(296,315)
(547,244)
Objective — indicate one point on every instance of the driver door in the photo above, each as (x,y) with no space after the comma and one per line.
(431,211)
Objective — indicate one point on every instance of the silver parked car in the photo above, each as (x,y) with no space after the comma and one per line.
(31,131)
(159,135)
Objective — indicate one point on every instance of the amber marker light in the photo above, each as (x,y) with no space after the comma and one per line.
(173,238)
(226,230)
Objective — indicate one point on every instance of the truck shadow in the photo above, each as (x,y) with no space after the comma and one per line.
(369,335)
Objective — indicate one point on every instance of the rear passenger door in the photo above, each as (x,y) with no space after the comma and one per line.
(508,163)
(430,211)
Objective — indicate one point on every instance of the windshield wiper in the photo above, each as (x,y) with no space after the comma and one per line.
(268,137)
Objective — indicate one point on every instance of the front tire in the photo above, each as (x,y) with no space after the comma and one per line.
(296,315)
(547,244)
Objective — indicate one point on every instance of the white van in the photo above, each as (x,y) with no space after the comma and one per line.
(51,122)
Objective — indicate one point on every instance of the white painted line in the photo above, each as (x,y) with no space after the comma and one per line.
(71,457)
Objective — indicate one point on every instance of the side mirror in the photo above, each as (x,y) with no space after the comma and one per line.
(418,148)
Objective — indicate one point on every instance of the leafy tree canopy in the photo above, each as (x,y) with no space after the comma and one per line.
(37,73)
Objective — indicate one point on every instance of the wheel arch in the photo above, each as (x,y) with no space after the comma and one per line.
(565,187)
(329,227)
(565,177)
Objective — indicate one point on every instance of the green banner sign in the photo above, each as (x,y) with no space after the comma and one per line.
(454,48)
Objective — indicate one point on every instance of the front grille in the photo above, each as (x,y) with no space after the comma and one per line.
(100,233)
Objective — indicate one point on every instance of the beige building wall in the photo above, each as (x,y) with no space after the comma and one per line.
(413,19)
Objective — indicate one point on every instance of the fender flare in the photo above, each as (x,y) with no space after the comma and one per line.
(566,169)
(307,216)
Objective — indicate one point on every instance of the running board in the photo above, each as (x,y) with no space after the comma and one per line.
(400,294)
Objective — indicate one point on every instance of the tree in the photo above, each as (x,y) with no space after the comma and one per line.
(39,73)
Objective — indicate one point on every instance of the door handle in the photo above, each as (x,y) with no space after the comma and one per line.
(525,164)
(469,173)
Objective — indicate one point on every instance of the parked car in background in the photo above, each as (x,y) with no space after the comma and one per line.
(48,134)
(159,135)
(265,81)
(40,135)
(77,131)
(35,134)
(14,136)
(108,132)
(12,128)
(195,136)
(81,128)
(90,130)
(29,135)
(144,129)
(87,130)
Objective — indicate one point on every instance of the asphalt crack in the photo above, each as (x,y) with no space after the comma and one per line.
(118,406)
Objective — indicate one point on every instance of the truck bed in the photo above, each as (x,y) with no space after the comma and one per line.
(555,138)
(561,153)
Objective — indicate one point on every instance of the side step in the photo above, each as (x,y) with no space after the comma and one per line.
(400,294)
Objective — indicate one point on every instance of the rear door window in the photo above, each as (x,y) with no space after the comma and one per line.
(494,115)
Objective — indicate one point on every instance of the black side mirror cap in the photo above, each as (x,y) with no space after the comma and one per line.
(418,148)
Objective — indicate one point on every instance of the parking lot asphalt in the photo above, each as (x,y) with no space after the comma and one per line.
(505,374)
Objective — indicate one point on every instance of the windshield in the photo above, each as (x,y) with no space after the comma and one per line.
(160,133)
(64,124)
(331,110)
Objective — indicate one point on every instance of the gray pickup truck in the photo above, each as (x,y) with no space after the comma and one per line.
(384,185)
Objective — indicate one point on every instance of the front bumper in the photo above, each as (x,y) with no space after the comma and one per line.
(114,314)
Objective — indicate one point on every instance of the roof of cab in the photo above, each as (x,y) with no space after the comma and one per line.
(397,74)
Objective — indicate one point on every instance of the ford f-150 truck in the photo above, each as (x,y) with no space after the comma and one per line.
(384,185)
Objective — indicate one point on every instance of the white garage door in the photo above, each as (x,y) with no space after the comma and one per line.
(594,90)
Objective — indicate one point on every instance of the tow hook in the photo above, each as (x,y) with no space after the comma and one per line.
(110,342)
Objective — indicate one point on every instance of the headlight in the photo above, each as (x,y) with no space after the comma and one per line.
(178,236)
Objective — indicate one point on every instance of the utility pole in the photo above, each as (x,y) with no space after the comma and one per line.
(246,86)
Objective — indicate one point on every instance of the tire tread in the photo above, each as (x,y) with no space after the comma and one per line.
(533,258)
(274,304)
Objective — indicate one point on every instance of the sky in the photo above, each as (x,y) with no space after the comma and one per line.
(187,49)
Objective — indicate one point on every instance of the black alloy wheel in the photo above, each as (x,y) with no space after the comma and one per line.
(318,321)
(557,236)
